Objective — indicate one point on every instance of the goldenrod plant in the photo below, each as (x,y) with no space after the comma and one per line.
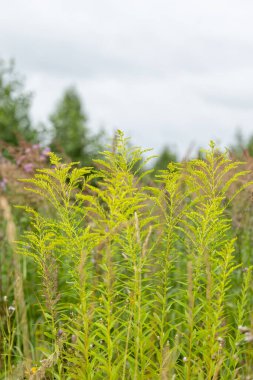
(139,280)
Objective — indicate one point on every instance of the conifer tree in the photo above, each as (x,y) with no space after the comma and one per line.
(70,131)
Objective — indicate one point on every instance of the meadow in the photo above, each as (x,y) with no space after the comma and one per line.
(114,272)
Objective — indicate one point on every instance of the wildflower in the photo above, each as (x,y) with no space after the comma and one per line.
(73,338)
(5,298)
(46,151)
(33,370)
(28,168)
(185,359)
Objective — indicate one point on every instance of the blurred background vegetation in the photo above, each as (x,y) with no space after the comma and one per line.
(67,130)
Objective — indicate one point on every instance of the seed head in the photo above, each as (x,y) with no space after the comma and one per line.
(11,309)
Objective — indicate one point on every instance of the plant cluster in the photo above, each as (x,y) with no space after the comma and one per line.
(137,281)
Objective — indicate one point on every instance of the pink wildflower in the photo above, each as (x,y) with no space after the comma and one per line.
(46,151)
(28,168)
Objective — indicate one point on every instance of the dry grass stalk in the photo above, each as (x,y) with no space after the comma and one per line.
(18,285)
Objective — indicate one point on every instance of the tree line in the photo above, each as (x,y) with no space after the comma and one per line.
(67,125)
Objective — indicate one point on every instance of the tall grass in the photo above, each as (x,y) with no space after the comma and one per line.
(139,280)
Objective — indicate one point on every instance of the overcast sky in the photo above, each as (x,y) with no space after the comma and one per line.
(164,71)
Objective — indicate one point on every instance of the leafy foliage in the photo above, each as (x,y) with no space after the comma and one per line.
(140,282)
(15,122)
